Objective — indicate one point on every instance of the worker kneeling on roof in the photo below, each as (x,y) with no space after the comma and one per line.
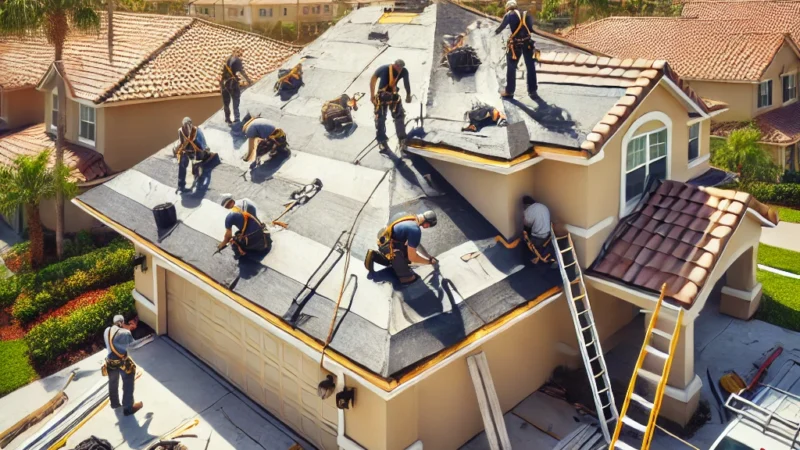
(252,235)
(519,44)
(388,99)
(118,364)
(263,138)
(192,148)
(536,231)
(398,245)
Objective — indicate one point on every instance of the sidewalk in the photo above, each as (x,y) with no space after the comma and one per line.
(785,235)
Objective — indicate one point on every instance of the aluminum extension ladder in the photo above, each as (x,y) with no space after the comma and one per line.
(588,339)
(646,406)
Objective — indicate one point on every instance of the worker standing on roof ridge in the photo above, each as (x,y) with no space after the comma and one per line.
(520,43)
(229,84)
(399,245)
(387,98)
(192,148)
(536,231)
(263,138)
(252,235)
(119,341)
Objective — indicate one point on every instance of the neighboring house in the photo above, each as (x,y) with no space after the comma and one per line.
(751,65)
(261,13)
(124,104)
(279,325)
(20,103)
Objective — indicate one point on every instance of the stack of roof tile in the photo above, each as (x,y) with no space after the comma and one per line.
(84,164)
(676,237)
(780,126)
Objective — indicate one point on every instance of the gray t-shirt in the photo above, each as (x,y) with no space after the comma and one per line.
(122,339)
(537,218)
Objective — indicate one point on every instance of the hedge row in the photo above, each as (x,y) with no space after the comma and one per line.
(55,285)
(786,194)
(57,335)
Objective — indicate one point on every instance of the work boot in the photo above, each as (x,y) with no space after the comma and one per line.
(228,121)
(136,407)
(505,94)
(383,147)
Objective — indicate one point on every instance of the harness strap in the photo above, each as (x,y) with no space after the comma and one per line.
(111,344)
(246,216)
(546,258)
(187,140)
(522,17)
(385,239)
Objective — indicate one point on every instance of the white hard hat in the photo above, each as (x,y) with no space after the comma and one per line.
(119,318)
(511,4)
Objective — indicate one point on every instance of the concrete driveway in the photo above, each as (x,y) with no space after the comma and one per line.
(175,387)
(785,235)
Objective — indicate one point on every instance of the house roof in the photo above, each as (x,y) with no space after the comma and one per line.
(714,105)
(726,50)
(381,327)
(675,236)
(781,126)
(84,164)
(153,56)
(781,15)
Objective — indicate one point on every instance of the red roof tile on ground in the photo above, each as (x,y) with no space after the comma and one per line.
(676,237)
(84,164)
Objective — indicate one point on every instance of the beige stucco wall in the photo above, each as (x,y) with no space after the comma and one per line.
(125,142)
(144,280)
(775,153)
(785,61)
(740,97)
(22,107)
(74,218)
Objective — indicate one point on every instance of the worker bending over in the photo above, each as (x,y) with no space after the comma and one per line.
(536,231)
(398,245)
(519,44)
(251,235)
(192,148)
(118,364)
(229,84)
(387,98)
(262,138)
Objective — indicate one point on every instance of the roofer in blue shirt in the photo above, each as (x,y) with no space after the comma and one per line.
(118,364)
(263,138)
(399,245)
(519,44)
(229,84)
(192,148)
(387,99)
(251,234)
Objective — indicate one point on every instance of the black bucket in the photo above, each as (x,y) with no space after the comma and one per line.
(165,215)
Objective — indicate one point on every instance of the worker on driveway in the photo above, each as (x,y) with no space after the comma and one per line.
(229,84)
(119,341)
(387,98)
(192,148)
(399,245)
(519,44)
(251,234)
(262,138)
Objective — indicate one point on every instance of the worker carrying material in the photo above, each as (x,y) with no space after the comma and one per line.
(229,84)
(483,115)
(251,235)
(192,148)
(519,44)
(118,364)
(337,113)
(399,245)
(262,138)
(387,98)
(536,231)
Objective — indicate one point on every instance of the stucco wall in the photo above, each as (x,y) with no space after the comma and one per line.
(740,97)
(74,218)
(22,107)
(785,61)
(127,143)
(144,280)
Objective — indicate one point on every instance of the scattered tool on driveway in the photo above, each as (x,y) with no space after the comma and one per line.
(734,384)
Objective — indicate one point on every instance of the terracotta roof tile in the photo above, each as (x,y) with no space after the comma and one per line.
(780,126)
(676,237)
(84,164)
(781,16)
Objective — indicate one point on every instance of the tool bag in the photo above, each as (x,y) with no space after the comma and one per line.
(94,443)
(274,143)
(289,80)
(124,362)
(463,60)
(482,116)
(336,114)
(385,241)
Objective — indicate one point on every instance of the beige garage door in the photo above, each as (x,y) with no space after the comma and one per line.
(272,373)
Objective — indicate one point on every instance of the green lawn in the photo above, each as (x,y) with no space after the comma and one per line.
(779,258)
(787,214)
(16,367)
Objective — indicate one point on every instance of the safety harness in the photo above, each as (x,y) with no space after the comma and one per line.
(237,241)
(124,362)
(188,140)
(385,241)
(483,115)
(289,80)
(336,113)
(513,42)
(538,257)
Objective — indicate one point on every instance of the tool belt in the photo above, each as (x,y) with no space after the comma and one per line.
(289,80)
(275,142)
(386,244)
(539,255)
(518,45)
(125,363)
(483,115)
(257,241)
(336,113)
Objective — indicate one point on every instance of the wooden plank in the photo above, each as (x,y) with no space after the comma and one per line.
(549,414)
(494,402)
(488,423)
(572,437)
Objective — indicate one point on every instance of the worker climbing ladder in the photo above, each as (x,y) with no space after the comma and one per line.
(642,406)
(588,340)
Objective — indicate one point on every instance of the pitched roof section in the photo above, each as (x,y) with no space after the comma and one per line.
(730,50)
(780,126)
(84,164)
(676,237)
(780,16)
(153,56)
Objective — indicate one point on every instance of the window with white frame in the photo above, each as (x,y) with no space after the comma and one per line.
(54,112)
(694,141)
(646,156)
(765,94)
(327,9)
(86,130)
(789,87)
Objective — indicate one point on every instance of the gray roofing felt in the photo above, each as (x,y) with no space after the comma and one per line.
(380,326)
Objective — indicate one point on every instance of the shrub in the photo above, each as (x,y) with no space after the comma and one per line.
(57,335)
(80,245)
(17,370)
(743,155)
(57,284)
(790,176)
(786,194)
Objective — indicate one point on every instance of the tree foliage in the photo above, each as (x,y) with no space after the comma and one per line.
(743,155)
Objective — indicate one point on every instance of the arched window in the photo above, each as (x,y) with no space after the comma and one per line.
(644,154)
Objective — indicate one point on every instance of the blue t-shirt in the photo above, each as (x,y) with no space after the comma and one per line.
(409,232)
(259,128)
(383,78)
(237,219)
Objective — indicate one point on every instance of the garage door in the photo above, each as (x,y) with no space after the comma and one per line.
(272,373)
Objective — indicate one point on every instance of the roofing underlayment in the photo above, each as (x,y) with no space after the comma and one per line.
(675,236)
(380,326)
(780,126)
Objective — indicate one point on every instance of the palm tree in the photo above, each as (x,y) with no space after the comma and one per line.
(55,19)
(743,155)
(24,185)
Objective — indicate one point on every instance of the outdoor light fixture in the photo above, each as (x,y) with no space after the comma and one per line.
(141,261)
(326,387)
(346,398)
